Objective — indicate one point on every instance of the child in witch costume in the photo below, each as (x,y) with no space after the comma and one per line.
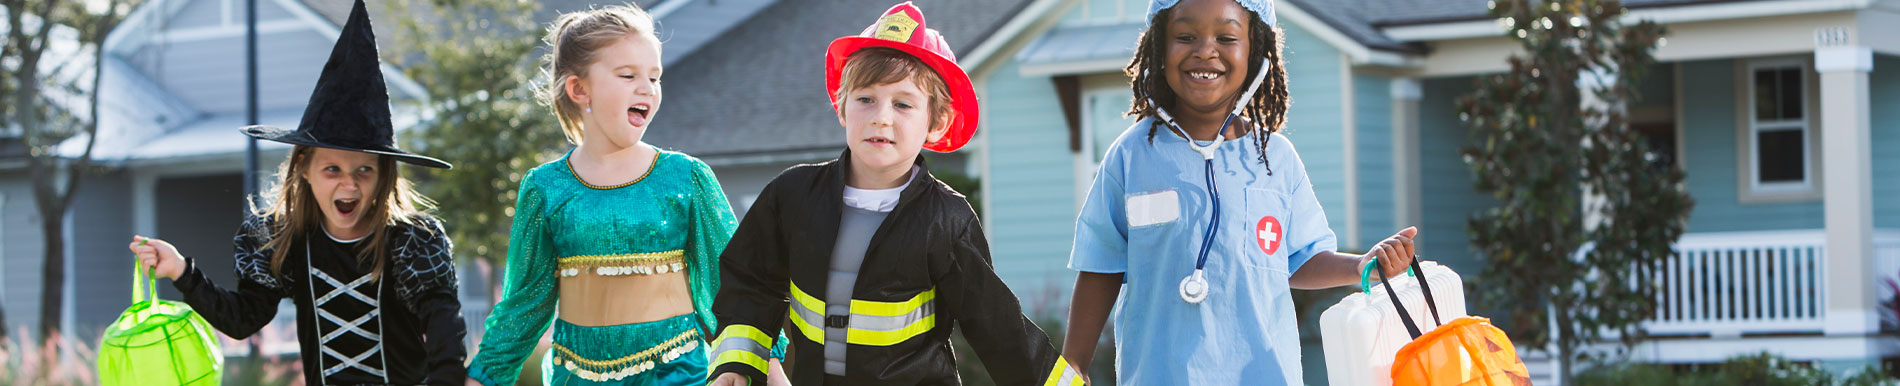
(617,237)
(344,238)
(878,258)
(1201,217)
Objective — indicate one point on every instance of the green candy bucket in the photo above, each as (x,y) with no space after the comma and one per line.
(158,342)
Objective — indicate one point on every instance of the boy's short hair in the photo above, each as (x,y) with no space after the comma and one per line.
(875,66)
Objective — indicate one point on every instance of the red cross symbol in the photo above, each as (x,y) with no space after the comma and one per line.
(1267,233)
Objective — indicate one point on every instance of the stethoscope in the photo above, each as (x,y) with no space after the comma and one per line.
(1194,287)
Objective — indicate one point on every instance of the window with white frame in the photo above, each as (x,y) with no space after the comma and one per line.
(1103,103)
(1104,121)
(1779,159)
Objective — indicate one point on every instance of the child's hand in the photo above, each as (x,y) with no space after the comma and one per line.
(1395,253)
(730,379)
(158,255)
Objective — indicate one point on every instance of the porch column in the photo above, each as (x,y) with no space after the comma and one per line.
(1847,181)
(1405,170)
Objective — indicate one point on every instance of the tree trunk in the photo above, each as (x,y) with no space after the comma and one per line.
(1566,345)
(53,292)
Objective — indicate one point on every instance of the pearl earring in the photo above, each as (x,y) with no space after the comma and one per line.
(590,109)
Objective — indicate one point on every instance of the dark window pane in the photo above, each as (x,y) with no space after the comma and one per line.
(1782,157)
(1765,96)
(1662,144)
(1790,89)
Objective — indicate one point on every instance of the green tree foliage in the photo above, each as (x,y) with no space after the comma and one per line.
(476,59)
(1584,209)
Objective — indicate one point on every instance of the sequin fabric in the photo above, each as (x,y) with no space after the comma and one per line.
(622,354)
(677,205)
(656,263)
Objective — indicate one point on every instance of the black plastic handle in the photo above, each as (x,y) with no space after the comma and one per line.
(1404,316)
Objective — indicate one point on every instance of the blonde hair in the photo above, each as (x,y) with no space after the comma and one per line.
(293,209)
(880,66)
(573,41)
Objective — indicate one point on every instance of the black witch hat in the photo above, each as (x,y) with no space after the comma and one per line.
(349,110)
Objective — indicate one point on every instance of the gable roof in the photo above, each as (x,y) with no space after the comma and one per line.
(175,74)
(758,91)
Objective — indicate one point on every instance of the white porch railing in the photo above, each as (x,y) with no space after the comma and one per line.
(1733,283)
(1728,284)
(1886,262)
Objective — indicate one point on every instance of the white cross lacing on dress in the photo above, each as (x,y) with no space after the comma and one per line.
(338,288)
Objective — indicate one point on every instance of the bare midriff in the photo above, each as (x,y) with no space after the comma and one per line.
(592,300)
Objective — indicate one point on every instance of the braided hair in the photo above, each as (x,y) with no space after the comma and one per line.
(1268,107)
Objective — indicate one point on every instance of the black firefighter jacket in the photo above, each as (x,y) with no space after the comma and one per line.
(927,269)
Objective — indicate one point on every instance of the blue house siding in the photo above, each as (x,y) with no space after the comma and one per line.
(1314,121)
(22,253)
(1446,190)
(1884,83)
(1709,122)
(101,270)
(1372,122)
(1031,180)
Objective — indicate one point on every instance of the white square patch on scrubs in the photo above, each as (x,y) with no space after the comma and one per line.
(1153,208)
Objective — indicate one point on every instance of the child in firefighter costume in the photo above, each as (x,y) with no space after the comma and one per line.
(872,258)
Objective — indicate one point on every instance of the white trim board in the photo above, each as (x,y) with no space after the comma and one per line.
(1106,65)
(264,27)
(1035,18)
(1800,348)
(660,10)
(1349,140)
(1666,15)
(1700,40)
(1356,53)
(1359,53)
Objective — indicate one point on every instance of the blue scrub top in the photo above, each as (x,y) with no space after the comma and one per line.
(1146,216)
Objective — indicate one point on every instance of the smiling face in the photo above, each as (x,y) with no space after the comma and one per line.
(622,87)
(344,185)
(886,125)
(1206,55)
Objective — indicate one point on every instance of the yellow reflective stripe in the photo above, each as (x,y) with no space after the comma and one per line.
(811,303)
(808,315)
(886,338)
(804,304)
(814,333)
(866,307)
(1062,374)
(739,356)
(744,331)
(741,343)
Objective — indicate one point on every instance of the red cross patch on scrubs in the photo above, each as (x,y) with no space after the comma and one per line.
(1268,233)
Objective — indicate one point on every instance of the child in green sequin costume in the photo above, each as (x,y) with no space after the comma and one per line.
(618,237)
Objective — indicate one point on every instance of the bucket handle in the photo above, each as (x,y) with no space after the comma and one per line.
(144,284)
(1405,317)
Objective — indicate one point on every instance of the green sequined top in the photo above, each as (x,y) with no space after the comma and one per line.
(674,216)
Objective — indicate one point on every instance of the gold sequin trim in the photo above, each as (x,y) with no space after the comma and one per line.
(629,264)
(622,367)
(577,175)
